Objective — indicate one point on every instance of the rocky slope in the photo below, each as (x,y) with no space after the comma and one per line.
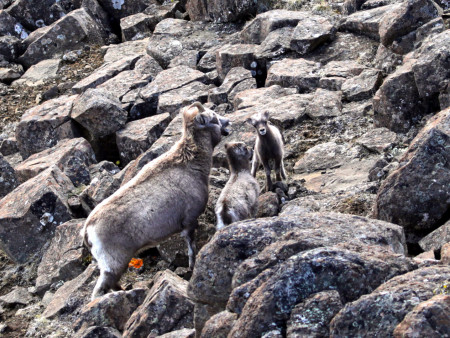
(354,243)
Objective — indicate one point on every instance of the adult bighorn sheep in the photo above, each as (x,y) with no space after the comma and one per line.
(164,198)
(268,147)
(239,198)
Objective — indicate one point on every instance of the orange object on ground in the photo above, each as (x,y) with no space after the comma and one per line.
(136,263)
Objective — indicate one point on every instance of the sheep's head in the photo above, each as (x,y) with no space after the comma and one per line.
(259,121)
(197,117)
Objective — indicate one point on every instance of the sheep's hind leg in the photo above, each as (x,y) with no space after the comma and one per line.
(107,281)
(189,237)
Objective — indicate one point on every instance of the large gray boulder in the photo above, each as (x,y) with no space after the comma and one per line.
(41,127)
(71,32)
(242,251)
(416,195)
(395,299)
(30,214)
(348,269)
(408,16)
(240,55)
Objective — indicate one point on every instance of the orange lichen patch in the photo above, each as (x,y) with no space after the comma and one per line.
(136,263)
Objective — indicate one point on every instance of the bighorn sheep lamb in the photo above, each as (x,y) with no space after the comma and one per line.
(268,148)
(239,198)
(164,198)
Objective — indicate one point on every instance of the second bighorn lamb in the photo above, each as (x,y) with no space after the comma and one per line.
(268,148)
(164,198)
(239,198)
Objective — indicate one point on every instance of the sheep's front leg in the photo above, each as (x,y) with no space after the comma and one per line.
(189,237)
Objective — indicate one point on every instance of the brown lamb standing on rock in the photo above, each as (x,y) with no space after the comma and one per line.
(268,148)
(239,198)
(165,197)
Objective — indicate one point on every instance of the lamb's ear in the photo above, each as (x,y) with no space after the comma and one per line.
(227,145)
(266,115)
(251,121)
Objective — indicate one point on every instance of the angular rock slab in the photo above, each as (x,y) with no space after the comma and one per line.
(214,275)
(100,112)
(112,310)
(167,80)
(367,22)
(166,308)
(8,178)
(30,214)
(310,33)
(432,67)
(259,96)
(436,239)
(63,260)
(220,10)
(72,156)
(397,104)
(428,319)
(72,31)
(395,299)
(240,55)
(235,78)
(294,73)
(219,325)
(137,136)
(363,86)
(43,126)
(417,194)
(259,28)
(73,294)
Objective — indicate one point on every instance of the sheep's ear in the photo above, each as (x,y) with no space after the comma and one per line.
(227,145)
(266,115)
(251,121)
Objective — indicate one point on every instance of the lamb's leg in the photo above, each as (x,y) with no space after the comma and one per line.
(278,164)
(269,185)
(283,171)
(189,237)
(255,164)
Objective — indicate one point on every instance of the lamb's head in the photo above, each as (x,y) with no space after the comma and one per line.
(198,119)
(238,151)
(259,121)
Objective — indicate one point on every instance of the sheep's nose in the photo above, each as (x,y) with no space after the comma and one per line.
(262,131)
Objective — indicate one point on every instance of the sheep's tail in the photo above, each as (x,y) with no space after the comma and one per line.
(84,234)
